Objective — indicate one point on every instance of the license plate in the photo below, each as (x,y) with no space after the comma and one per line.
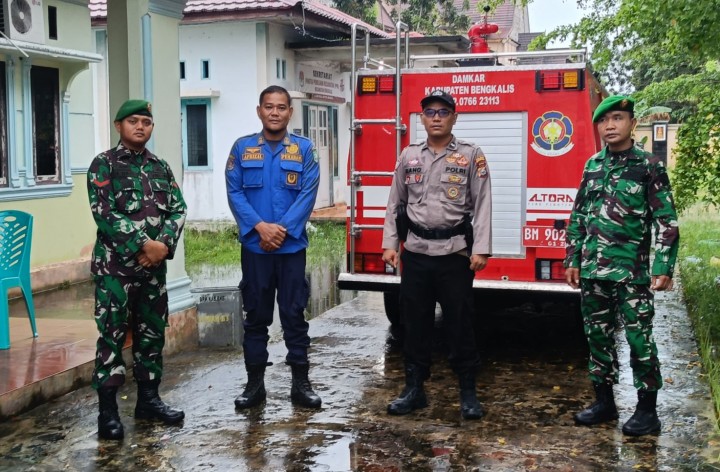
(543,236)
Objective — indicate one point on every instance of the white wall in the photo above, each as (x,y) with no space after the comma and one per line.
(232,51)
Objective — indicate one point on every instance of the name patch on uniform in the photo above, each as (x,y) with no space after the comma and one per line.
(291,178)
(413,170)
(455,170)
(123,173)
(453,193)
(291,157)
(252,154)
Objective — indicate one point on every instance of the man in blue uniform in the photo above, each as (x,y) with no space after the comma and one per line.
(272,181)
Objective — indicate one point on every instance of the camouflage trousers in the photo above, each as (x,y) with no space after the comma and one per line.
(138,303)
(603,302)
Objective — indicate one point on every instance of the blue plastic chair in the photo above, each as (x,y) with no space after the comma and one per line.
(15,242)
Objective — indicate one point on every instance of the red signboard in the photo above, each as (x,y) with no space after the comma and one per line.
(543,236)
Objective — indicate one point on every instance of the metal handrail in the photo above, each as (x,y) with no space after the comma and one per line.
(400,27)
(496,55)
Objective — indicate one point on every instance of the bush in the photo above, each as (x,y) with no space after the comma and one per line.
(700,277)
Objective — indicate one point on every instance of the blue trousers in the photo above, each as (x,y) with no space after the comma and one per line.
(264,276)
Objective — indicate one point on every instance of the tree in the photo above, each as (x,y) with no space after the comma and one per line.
(432,17)
(365,10)
(665,53)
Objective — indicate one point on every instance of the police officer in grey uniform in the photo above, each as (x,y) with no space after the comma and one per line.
(444,185)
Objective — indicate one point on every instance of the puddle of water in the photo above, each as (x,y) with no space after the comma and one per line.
(338,456)
(322,276)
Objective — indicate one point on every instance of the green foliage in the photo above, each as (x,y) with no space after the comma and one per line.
(696,102)
(365,10)
(664,51)
(432,17)
(699,243)
(217,247)
(220,246)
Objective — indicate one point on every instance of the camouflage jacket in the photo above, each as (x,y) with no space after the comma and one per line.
(133,198)
(621,201)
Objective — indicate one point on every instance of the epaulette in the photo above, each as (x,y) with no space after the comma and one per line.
(462,142)
(299,136)
(247,136)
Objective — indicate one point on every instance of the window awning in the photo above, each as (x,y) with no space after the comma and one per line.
(43,51)
(199,93)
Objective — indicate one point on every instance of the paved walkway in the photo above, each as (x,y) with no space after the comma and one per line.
(35,370)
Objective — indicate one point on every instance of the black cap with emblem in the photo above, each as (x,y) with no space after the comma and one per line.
(438,96)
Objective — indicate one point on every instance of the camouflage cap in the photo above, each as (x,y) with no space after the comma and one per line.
(134,107)
(616,102)
(438,96)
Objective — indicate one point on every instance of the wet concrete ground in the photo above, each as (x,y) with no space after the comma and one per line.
(532,380)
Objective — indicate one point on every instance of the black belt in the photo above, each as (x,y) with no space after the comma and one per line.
(445,233)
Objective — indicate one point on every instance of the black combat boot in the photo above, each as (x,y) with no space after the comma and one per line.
(254,393)
(109,425)
(603,410)
(645,419)
(470,407)
(149,406)
(413,395)
(301,392)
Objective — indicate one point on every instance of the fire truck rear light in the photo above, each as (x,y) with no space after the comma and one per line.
(559,80)
(570,79)
(546,269)
(371,263)
(387,84)
(550,80)
(368,85)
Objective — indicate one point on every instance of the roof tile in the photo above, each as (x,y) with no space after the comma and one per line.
(98,9)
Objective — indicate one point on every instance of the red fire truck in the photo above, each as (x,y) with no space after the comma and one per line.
(530,112)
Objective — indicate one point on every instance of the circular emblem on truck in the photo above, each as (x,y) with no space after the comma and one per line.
(552,134)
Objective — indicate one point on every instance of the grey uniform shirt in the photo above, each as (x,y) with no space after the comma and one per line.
(439,190)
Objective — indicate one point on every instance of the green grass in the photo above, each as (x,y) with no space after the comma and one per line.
(699,262)
(220,246)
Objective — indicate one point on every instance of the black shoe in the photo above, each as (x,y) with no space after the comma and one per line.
(602,410)
(149,406)
(413,395)
(254,393)
(109,425)
(470,407)
(301,392)
(645,419)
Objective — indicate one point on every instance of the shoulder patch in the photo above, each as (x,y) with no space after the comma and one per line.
(481,166)
(230,163)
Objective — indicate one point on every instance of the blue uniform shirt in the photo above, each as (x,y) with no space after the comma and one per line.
(272,186)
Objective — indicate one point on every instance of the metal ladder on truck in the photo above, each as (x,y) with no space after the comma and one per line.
(356,176)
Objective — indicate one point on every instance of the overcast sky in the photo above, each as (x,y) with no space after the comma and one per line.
(545,15)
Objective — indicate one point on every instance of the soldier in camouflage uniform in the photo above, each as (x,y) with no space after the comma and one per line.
(623,200)
(139,211)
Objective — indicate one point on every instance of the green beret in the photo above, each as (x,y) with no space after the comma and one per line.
(134,107)
(616,102)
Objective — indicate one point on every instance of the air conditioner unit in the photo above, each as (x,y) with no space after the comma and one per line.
(23,20)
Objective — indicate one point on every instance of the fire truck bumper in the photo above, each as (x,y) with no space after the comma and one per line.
(389,283)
